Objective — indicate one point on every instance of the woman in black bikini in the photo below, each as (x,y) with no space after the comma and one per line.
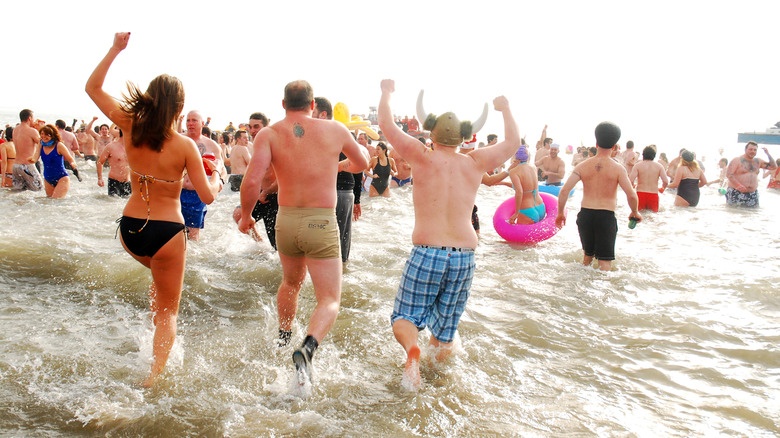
(381,168)
(152,227)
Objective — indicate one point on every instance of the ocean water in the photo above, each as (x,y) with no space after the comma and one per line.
(680,339)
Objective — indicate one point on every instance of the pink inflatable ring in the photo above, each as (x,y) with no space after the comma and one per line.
(534,233)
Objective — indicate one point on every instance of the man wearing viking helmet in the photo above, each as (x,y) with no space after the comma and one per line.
(445,187)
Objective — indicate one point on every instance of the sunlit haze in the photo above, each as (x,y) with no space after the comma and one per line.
(677,74)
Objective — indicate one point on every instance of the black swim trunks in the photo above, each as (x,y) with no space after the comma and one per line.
(235,182)
(119,188)
(598,230)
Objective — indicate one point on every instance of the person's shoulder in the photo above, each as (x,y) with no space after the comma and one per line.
(182,141)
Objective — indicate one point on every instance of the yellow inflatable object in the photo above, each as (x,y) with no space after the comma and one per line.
(341,114)
(370,132)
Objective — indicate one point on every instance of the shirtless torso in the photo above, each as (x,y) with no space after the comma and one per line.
(297,142)
(647,173)
(86,144)
(239,159)
(403,168)
(116,156)
(553,168)
(25,139)
(743,172)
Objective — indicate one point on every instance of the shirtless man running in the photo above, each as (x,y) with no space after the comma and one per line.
(444,239)
(119,171)
(26,137)
(306,227)
(238,160)
(103,139)
(600,176)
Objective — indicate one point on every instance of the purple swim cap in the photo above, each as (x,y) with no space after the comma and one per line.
(522,154)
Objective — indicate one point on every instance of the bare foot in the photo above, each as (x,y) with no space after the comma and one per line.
(411,379)
(148,382)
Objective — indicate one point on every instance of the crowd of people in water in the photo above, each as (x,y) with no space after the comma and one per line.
(171,165)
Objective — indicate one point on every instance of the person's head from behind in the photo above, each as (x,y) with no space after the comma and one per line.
(322,108)
(48,133)
(25,115)
(663,156)
(522,154)
(592,151)
(688,159)
(9,133)
(298,96)
(154,111)
(607,135)
(60,124)
(629,145)
(648,153)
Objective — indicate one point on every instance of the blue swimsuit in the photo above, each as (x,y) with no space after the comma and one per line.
(53,166)
(534,213)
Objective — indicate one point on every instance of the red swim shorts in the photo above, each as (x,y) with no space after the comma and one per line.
(648,201)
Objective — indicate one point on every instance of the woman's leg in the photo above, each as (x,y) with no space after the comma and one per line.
(168,275)
(49,188)
(63,185)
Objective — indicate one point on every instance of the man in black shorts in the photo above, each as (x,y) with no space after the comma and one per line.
(600,177)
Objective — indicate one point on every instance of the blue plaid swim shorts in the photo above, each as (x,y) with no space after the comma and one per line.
(434,288)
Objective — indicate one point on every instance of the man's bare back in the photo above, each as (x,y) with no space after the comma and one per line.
(305,150)
(239,159)
(647,173)
(25,139)
(446,182)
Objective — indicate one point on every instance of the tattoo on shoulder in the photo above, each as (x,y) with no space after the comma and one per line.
(298,130)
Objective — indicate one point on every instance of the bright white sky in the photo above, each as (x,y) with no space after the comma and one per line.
(674,73)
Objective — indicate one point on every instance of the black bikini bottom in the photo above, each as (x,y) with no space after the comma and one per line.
(149,240)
